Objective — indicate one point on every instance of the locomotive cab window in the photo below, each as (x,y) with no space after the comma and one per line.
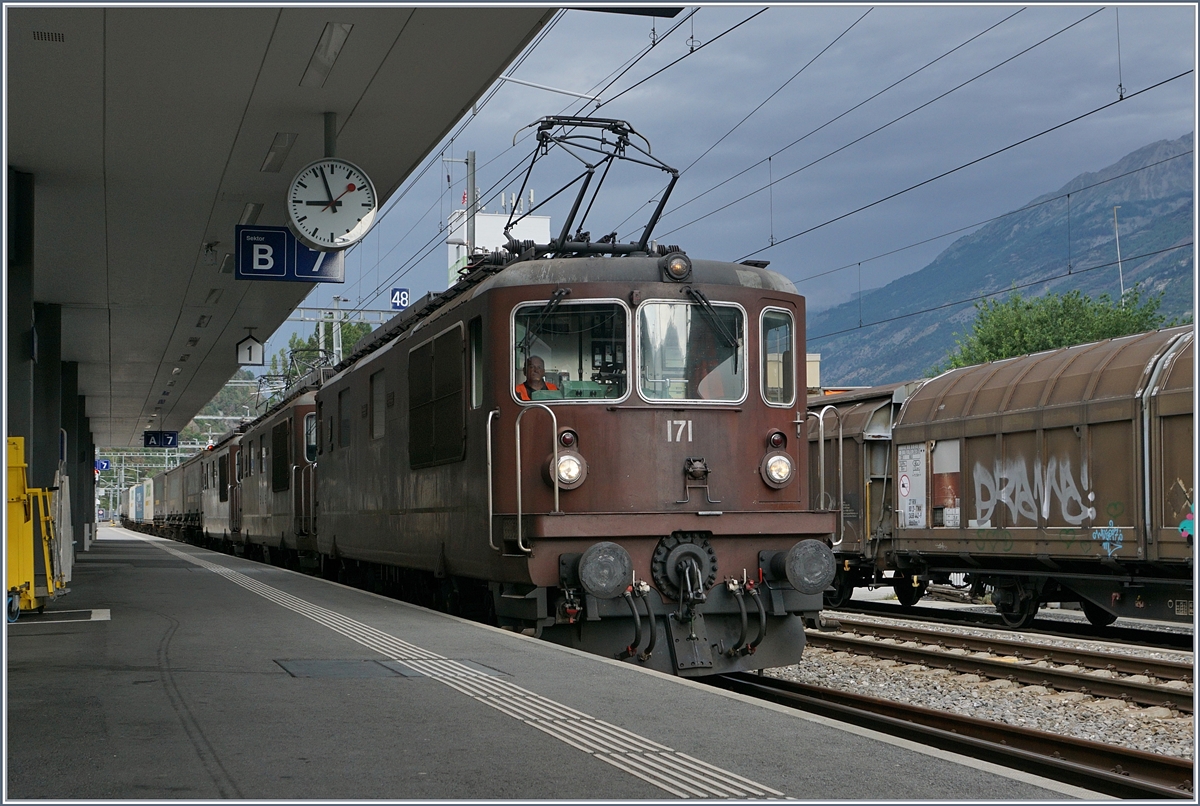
(778,362)
(574,352)
(692,352)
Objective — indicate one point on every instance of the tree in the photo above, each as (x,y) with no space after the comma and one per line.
(1020,326)
(306,351)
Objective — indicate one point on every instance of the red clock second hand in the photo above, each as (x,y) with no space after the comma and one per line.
(349,189)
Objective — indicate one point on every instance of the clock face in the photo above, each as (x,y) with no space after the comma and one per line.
(331,204)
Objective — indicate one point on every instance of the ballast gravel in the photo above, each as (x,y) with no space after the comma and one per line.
(1154,730)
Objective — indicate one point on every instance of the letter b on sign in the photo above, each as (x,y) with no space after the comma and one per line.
(263,257)
(262,253)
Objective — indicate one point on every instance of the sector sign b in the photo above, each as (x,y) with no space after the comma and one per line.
(273,253)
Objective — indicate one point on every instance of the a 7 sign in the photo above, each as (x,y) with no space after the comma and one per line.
(400,299)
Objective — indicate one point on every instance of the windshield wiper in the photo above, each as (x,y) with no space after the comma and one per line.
(536,327)
(710,313)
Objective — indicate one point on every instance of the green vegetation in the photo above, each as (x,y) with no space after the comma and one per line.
(231,402)
(1020,326)
(305,352)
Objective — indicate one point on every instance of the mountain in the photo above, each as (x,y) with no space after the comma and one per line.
(1153,187)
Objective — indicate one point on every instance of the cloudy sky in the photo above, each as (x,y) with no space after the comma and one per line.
(807,87)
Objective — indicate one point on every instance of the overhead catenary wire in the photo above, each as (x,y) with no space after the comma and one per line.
(750,114)
(834,119)
(424,251)
(891,122)
(1010,289)
(681,58)
(975,161)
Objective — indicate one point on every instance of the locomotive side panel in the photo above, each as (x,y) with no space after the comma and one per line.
(219,490)
(274,493)
(374,505)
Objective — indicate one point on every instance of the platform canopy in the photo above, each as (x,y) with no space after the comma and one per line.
(151,132)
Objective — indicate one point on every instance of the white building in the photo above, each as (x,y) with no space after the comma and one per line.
(489,236)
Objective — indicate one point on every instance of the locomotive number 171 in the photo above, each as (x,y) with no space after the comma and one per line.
(677,427)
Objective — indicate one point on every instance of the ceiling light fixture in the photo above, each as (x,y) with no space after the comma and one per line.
(227,264)
(176,371)
(326,53)
(277,154)
(250,213)
(193,341)
(184,357)
(203,321)
(214,296)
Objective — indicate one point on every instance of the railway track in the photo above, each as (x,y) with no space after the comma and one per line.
(1061,679)
(1109,769)
(1088,659)
(1063,629)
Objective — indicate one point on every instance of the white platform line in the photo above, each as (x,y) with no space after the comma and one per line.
(669,770)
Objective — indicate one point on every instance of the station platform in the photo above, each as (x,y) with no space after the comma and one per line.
(170,671)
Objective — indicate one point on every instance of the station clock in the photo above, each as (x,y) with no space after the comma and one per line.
(331,204)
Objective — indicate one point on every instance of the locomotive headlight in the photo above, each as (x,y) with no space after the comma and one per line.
(676,267)
(776,470)
(569,469)
(779,468)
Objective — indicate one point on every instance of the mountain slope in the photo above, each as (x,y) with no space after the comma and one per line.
(1153,187)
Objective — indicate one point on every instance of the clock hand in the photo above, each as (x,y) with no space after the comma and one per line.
(335,203)
(349,189)
(328,192)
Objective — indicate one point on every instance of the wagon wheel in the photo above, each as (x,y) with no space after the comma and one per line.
(906,594)
(1098,615)
(1019,614)
(843,589)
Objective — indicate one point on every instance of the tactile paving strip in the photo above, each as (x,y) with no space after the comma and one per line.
(659,765)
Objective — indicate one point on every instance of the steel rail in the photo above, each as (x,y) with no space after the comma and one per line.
(1088,658)
(1141,693)
(1064,629)
(1113,770)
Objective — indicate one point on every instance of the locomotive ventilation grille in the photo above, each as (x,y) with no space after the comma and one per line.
(48,36)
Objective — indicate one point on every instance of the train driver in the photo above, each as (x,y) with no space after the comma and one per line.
(535,379)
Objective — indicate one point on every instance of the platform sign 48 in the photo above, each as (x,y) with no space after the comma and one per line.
(400,299)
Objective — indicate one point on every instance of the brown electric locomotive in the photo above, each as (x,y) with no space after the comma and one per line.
(595,443)
(591,442)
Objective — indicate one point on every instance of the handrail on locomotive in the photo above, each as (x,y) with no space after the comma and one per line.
(822,498)
(553,467)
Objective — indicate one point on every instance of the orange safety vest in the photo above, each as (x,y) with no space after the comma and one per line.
(523,392)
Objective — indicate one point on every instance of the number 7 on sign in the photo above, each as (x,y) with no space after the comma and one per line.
(399,299)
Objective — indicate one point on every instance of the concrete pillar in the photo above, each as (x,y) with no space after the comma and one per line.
(87,462)
(19,306)
(47,394)
(70,424)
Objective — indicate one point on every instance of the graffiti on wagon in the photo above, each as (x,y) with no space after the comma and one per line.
(1009,483)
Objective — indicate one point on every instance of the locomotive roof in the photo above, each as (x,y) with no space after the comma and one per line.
(592,269)
(1106,370)
(631,269)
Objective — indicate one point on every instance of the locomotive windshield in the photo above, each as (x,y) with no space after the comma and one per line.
(572,352)
(691,352)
